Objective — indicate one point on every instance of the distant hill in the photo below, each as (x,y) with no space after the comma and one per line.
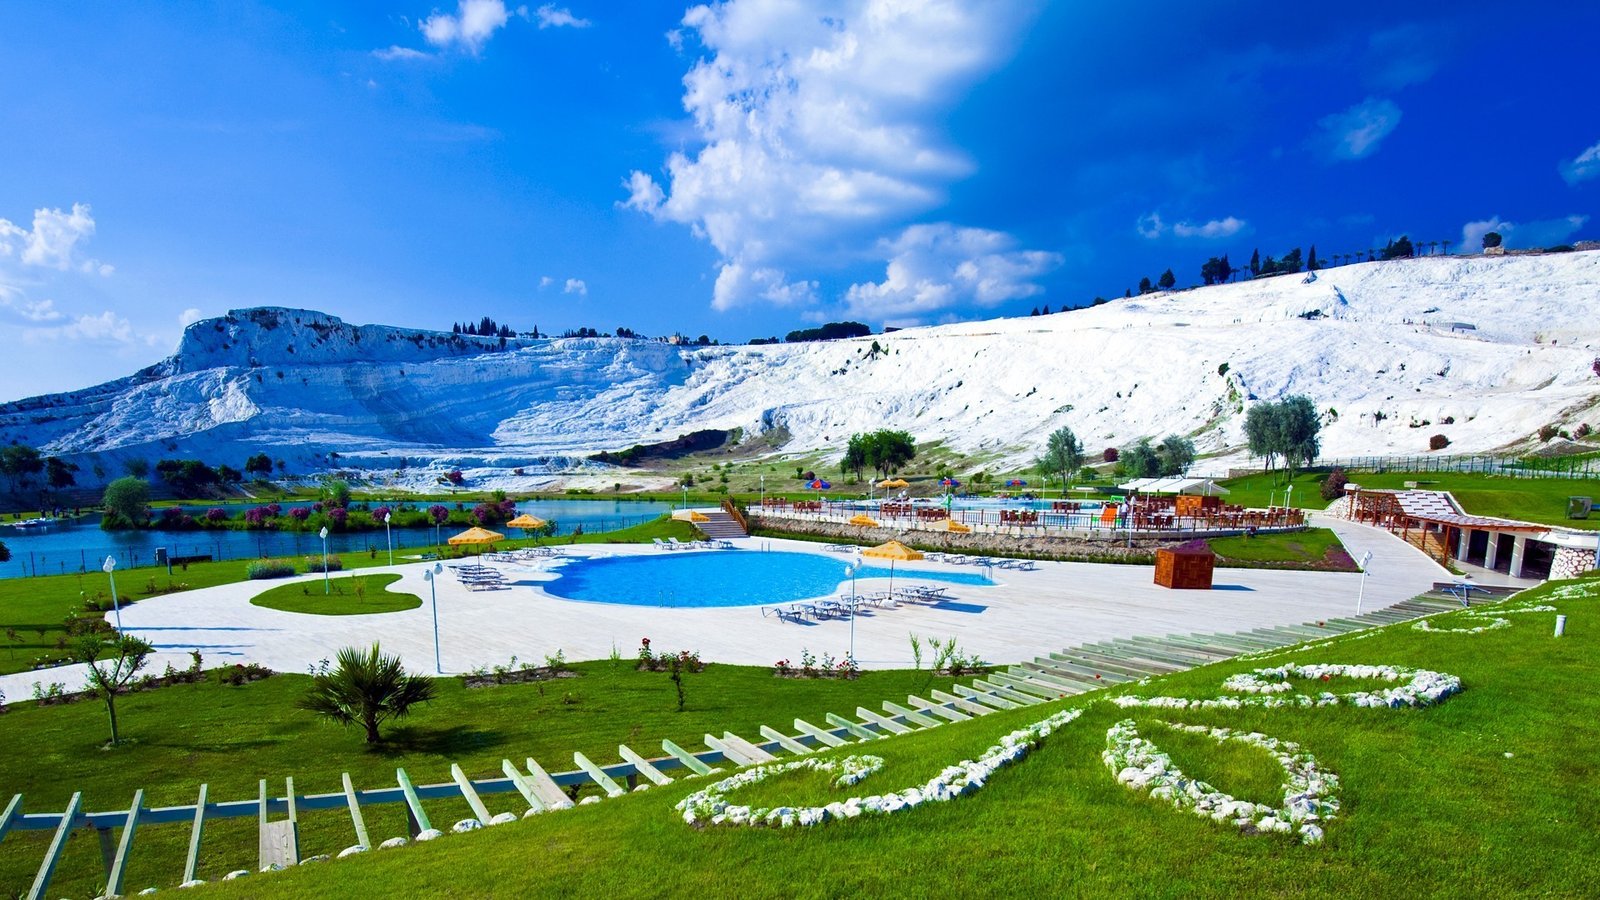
(1483,350)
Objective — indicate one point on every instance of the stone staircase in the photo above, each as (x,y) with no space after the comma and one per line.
(722,526)
(1088,667)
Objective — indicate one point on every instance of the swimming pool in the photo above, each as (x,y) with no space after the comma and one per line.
(724,578)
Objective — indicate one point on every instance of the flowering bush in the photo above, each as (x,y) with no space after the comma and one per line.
(781,667)
(381,514)
(255,516)
(274,509)
(454,476)
(438,513)
(269,568)
(337,516)
(216,514)
(300,513)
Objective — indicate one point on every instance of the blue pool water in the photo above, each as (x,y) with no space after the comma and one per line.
(725,578)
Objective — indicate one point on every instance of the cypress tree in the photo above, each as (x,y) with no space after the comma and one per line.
(1255,262)
(1311,260)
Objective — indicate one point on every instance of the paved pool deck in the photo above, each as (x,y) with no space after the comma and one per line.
(1022,615)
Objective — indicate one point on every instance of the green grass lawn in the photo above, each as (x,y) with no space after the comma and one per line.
(1542,500)
(1312,547)
(33,610)
(229,737)
(350,595)
(1494,792)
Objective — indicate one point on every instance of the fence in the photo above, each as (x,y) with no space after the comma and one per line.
(1506,466)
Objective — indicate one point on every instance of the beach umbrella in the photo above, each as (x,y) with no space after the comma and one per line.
(820,485)
(696,516)
(893,551)
(864,520)
(952,526)
(526,523)
(475,536)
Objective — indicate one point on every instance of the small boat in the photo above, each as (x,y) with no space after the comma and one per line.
(35,523)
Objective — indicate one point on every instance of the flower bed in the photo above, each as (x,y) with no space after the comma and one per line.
(710,806)
(1309,794)
(1270,688)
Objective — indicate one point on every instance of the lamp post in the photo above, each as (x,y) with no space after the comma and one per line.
(686,496)
(433,595)
(389,535)
(109,568)
(326,587)
(852,570)
(1362,591)
(763,489)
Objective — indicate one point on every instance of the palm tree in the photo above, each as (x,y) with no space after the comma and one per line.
(366,689)
(1431,245)
(1446,247)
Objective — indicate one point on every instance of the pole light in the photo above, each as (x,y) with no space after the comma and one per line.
(1362,591)
(326,587)
(389,535)
(433,594)
(852,571)
(110,569)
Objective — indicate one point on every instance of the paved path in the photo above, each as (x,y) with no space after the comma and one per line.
(1023,615)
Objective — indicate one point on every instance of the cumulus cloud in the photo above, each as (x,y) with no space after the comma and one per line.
(470,28)
(576,286)
(1584,167)
(1357,132)
(189,317)
(105,329)
(551,16)
(1150,226)
(819,126)
(1523,235)
(933,267)
(545,281)
(396,52)
(53,241)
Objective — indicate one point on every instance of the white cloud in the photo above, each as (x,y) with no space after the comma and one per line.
(1150,226)
(576,286)
(1216,228)
(820,129)
(934,267)
(473,24)
(29,311)
(53,240)
(545,281)
(1525,235)
(551,16)
(105,329)
(189,317)
(1402,56)
(396,52)
(1357,132)
(1585,167)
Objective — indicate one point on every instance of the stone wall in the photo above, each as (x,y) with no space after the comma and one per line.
(1569,562)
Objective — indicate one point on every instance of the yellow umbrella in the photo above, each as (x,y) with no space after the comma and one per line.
(892,551)
(526,523)
(697,516)
(864,520)
(476,535)
(894,483)
(954,527)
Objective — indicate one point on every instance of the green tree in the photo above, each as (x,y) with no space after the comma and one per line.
(1167,280)
(136,468)
(127,501)
(855,455)
(1139,460)
(1491,240)
(1145,287)
(19,463)
(1177,454)
(258,466)
(886,452)
(1311,259)
(1399,249)
(1298,427)
(336,492)
(1255,262)
(1260,431)
(112,663)
(366,689)
(58,473)
(1063,455)
(5,553)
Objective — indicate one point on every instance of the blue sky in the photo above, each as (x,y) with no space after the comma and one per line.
(746,168)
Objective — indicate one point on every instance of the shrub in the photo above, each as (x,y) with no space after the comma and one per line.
(1546,432)
(1333,485)
(1438,442)
(1582,431)
(269,568)
(1110,454)
(314,564)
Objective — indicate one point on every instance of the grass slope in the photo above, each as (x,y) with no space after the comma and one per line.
(229,737)
(1493,793)
(1296,548)
(351,595)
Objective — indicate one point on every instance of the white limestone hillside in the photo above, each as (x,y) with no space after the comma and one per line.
(1495,347)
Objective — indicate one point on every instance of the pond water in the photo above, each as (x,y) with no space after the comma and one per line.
(83,546)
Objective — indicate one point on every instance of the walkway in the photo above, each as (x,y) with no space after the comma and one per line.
(1023,614)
